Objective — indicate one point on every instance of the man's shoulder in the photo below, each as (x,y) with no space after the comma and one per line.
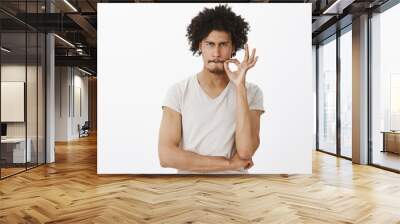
(252,87)
(182,84)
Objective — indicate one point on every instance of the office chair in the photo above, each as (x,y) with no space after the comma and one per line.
(84,130)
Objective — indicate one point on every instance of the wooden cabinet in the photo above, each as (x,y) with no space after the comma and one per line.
(391,142)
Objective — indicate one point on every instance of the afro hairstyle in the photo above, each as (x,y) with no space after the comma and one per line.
(220,18)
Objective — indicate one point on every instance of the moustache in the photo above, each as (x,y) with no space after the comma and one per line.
(216,61)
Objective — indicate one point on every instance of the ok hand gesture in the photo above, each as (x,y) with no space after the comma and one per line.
(238,77)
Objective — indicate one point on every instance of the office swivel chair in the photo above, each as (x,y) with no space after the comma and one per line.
(84,130)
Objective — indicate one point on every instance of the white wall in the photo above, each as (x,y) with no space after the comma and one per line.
(61,103)
(80,84)
(68,81)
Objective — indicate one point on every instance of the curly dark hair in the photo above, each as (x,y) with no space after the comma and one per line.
(220,18)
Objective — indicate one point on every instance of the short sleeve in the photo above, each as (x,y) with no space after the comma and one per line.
(257,100)
(173,98)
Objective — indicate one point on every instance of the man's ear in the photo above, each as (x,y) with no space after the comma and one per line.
(199,49)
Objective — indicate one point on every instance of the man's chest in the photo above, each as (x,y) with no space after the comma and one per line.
(199,113)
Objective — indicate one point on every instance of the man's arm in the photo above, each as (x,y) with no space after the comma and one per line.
(247,122)
(171,155)
(247,137)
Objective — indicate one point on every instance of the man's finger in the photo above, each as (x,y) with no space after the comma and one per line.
(233,60)
(253,53)
(226,64)
(253,63)
(249,164)
(226,67)
(246,52)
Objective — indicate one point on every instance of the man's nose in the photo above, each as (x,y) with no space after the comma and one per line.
(216,51)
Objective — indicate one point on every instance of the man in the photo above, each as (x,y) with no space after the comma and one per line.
(211,120)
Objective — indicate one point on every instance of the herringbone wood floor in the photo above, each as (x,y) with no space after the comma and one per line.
(70,191)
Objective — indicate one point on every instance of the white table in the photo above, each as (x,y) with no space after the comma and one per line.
(19,149)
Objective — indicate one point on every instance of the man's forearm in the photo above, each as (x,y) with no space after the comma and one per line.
(191,161)
(246,142)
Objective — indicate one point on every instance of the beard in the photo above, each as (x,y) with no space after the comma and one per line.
(217,69)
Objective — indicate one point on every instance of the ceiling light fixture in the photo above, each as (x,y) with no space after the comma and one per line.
(5,49)
(337,7)
(64,40)
(84,71)
(70,5)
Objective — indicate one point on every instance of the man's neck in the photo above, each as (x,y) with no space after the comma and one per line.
(213,80)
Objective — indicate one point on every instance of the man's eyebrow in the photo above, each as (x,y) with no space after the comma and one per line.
(223,42)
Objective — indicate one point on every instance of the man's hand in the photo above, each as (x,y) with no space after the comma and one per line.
(237,164)
(238,77)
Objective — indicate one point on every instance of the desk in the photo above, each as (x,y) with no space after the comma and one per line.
(391,141)
(13,150)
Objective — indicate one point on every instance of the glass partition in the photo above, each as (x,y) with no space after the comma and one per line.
(13,104)
(327,96)
(385,89)
(22,67)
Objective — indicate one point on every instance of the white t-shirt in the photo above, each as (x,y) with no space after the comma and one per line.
(208,124)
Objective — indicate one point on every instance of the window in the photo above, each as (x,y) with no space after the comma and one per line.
(385,88)
(346,93)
